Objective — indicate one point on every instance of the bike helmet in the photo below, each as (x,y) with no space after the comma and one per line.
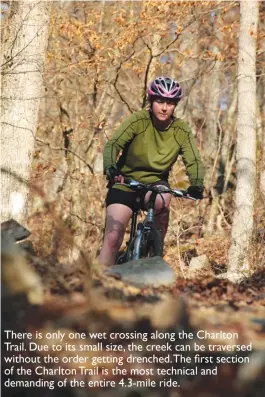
(165,87)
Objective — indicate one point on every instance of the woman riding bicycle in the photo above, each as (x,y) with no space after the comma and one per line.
(150,142)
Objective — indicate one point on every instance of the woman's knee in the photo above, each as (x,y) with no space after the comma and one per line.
(114,238)
(162,203)
(117,220)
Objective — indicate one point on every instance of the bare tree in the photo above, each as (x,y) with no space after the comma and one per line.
(23,54)
(261,118)
(239,264)
(210,138)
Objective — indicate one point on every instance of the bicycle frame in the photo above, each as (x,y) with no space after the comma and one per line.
(137,231)
(136,235)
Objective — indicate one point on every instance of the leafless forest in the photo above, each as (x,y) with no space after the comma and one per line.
(63,96)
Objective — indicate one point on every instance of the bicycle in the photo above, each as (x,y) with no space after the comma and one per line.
(146,240)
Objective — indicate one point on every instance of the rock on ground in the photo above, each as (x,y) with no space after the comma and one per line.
(144,272)
(199,267)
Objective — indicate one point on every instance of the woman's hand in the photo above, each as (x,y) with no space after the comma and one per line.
(113,174)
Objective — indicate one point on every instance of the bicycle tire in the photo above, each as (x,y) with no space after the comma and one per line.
(154,243)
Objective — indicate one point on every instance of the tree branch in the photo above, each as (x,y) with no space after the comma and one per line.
(66,150)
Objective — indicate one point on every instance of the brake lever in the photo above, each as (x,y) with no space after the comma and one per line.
(133,183)
(183,193)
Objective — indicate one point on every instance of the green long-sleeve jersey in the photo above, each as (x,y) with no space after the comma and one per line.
(148,154)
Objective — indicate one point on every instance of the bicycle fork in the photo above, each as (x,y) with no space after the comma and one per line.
(143,227)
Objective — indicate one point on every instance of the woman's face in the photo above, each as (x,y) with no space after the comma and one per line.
(163,108)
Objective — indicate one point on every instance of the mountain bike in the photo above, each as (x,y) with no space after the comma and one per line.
(145,239)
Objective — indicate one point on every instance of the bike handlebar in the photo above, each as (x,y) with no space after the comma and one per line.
(135,185)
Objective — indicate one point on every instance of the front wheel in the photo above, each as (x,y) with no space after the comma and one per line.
(152,243)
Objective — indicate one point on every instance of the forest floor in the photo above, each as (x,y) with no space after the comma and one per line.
(210,304)
(79,298)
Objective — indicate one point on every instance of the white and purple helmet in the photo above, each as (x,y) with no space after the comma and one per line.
(165,87)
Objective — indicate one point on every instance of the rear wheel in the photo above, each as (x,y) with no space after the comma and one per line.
(153,243)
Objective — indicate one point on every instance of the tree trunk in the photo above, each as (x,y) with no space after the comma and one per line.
(211,141)
(24,44)
(239,264)
(261,95)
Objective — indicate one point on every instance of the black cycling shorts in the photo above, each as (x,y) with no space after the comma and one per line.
(118,196)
